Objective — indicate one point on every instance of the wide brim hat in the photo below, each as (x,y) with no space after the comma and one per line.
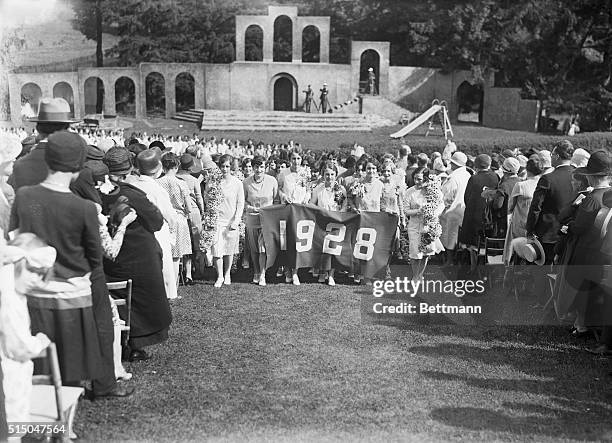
(600,163)
(459,158)
(53,110)
(529,249)
(188,164)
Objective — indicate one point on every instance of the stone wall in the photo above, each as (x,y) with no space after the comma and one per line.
(504,108)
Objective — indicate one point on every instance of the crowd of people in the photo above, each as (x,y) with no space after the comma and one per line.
(80,208)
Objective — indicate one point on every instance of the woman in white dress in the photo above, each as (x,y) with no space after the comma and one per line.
(366,196)
(414,206)
(329,195)
(228,218)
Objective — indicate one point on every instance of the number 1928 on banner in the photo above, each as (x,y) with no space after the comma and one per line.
(302,236)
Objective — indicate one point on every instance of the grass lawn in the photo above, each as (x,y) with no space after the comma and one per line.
(299,364)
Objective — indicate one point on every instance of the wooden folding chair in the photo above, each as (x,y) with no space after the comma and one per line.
(494,254)
(50,402)
(121,301)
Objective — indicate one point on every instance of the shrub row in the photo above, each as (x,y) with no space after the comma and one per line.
(591,141)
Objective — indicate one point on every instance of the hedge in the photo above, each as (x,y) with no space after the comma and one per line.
(591,141)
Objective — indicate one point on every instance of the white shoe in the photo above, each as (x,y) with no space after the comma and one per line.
(295,279)
(280,271)
(256,278)
(331,281)
(262,280)
(287,278)
(125,376)
(219,283)
(227,280)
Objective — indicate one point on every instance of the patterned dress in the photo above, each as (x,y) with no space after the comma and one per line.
(178,191)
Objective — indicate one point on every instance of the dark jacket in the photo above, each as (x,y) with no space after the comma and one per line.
(553,194)
(475,205)
(32,170)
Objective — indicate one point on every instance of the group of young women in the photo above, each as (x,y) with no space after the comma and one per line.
(364,184)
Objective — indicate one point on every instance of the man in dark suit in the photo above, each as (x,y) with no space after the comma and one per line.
(553,193)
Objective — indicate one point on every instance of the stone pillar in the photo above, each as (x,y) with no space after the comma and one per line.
(268,44)
(324,41)
(109,97)
(199,89)
(240,37)
(138,88)
(296,42)
(76,97)
(169,89)
(143,96)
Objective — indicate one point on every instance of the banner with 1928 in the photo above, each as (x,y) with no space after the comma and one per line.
(310,237)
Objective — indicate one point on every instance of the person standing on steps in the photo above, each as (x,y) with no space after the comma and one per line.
(308,100)
(324,99)
(372,82)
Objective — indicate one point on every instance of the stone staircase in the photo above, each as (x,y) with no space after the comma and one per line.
(235,120)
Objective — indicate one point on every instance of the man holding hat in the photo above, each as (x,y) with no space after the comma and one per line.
(453,191)
(553,193)
(473,221)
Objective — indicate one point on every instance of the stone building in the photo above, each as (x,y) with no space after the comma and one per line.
(259,82)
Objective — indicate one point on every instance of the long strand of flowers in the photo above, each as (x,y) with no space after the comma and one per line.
(214,196)
(430,212)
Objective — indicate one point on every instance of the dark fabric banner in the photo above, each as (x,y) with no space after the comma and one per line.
(307,236)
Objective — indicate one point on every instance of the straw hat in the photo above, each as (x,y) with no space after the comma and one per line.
(53,110)
(530,249)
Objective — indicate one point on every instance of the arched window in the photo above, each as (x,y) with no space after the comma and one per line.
(184,92)
(64,90)
(283,39)
(370,59)
(30,97)
(311,44)
(155,95)
(469,101)
(253,44)
(94,96)
(125,97)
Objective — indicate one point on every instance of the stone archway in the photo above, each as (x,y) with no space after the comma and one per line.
(370,58)
(30,98)
(94,95)
(125,97)
(253,43)
(311,44)
(470,99)
(184,92)
(64,90)
(155,95)
(283,39)
(284,92)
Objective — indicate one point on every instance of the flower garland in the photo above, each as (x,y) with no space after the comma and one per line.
(432,229)
(339,196)
(214,196)
(299,194)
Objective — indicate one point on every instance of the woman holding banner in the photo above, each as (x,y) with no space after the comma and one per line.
(329,195)
(260,190)
(229,215)
(366,194)
(293,188)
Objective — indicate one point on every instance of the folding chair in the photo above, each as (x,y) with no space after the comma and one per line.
(493,254)
(120,301)
(51,403)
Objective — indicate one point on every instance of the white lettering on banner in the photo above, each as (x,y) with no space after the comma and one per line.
(336,237)
(306,236)
(336,233)
(282,224)
(361,242)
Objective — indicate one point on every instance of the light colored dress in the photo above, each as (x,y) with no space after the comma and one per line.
(325,198)
(415,199)
(229,216)
(294,185)
(369,199)
(178,191)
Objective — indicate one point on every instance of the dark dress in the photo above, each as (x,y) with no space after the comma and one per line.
(586,267)
(140,259)
(70,225)
(475,205)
